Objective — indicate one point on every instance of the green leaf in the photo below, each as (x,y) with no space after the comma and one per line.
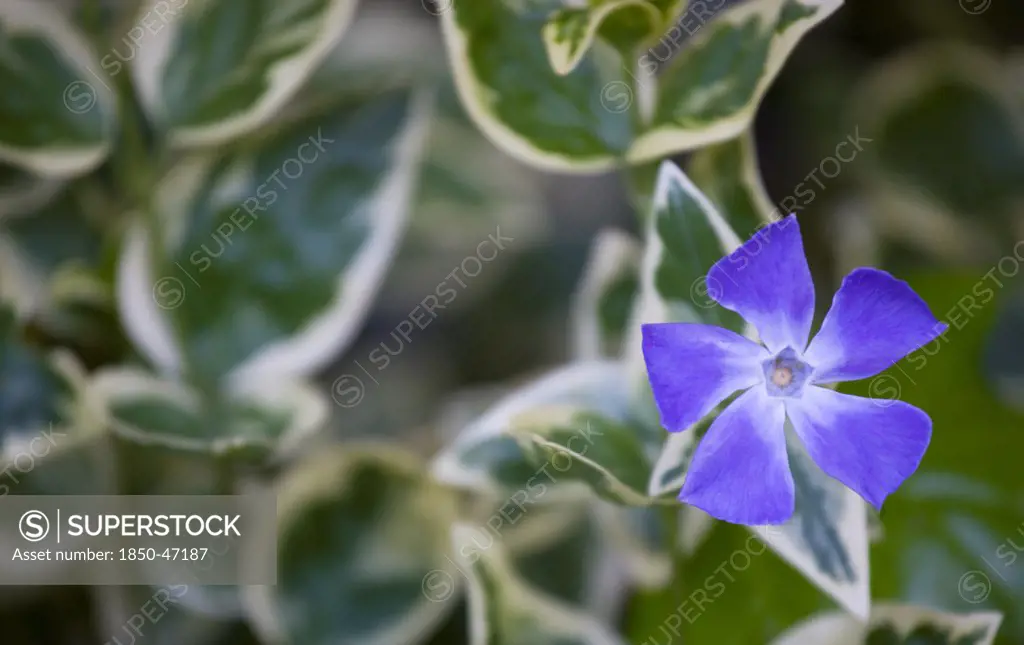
(221,68)
(712,89)
(268,418)
(273,254)
(896,624)
(507,85)
(504,609)
(605,297)
(361,541)
(485,456)
(43,57)
(584,448)
(569,32)
(959,91)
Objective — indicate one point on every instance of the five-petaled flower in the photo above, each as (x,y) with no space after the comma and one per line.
(740,471)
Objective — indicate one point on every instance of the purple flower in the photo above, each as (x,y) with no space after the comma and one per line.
(740,472)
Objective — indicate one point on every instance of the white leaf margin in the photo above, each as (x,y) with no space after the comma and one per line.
(32,16)
(286,76)
(325,335)
(837,628)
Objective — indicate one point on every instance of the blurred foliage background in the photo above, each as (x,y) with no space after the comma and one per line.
(931,91)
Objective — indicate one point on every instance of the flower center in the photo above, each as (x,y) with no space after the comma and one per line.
(786,374)
(782,376)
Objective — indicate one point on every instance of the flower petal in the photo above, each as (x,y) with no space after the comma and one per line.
(875,320)
(871,446)
(740,472)
(768,283)
(692,368)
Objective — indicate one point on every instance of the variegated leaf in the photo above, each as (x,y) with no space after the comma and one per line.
(569,32)
(896,624)
(711,90)
(497,54)
(200,91)
(57,114)
(486,457)
(22,289)
(583,448)
(269,418)
(321,206)
(726,174)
